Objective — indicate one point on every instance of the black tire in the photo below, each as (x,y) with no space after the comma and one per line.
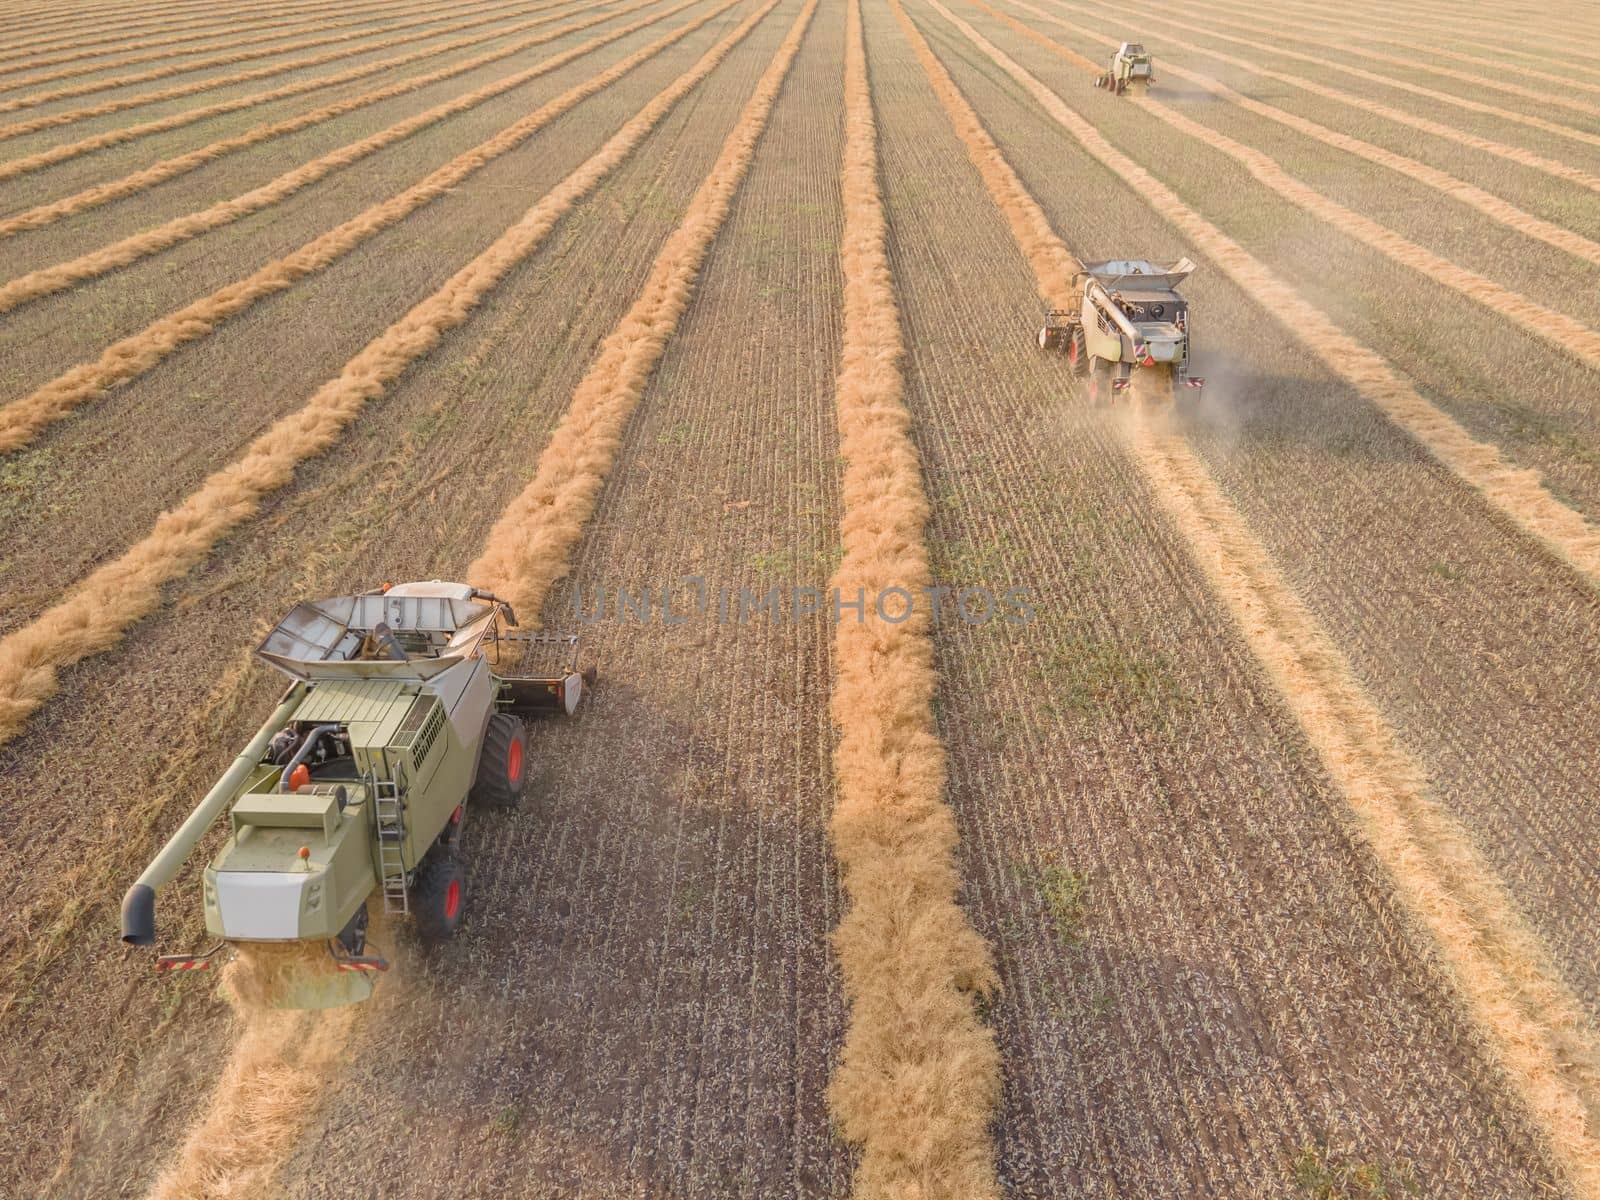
(503,766)
(438,897)
(353,937)
(450,836)
(1078,352)
(1099,380)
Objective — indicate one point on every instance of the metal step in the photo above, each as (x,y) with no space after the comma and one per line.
(389,808)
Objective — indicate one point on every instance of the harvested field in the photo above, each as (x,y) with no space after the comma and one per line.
(1201,800)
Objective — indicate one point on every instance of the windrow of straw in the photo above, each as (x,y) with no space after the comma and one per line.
(132,356)
(530,546)
(1533,1023)
(1368,27)
(99,609)
(180,91)
(73,91)
(170,168)
(1383,81)
(123,134)
(1517,492)
(919,1080)
(62,27)
(1563,333)
(1516,154)
(347,17)
(1489,205)
(269,1088)
(1534,1026)
(286,18)
(1300,34)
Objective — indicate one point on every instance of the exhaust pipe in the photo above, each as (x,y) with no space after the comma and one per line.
(139,915)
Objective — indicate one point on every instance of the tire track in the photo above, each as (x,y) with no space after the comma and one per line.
(267,1078)
(1517,492)
(93,617)
(1563,333)
(128,133)
(918,1082)
(1501,211)
(1502,970)
(78,68)
(132,356)
(46,280)
(56,120)
(73,91)
(1516,154)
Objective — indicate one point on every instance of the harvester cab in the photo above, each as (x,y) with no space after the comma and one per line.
(1130,66)
(406,707)
(1129,316)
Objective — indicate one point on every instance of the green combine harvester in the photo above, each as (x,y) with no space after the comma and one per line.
(400,717)
(1130,67)
(1129,317)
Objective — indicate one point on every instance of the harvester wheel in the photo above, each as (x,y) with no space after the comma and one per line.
(353,937)
(450,836)
(1077,352)
(503,767)
(438,897)
(1099,380)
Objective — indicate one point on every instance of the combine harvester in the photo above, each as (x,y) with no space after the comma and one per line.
(1130,66)
(398,717)
(1129,315)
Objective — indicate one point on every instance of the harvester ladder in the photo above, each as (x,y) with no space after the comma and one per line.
(389,802)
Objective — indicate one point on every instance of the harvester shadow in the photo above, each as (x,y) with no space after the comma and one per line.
(630,1008)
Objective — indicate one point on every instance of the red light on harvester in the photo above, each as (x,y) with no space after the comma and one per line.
(182,962)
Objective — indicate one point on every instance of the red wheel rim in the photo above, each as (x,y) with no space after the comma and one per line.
(1072,351)
(452,900)
(514,760)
